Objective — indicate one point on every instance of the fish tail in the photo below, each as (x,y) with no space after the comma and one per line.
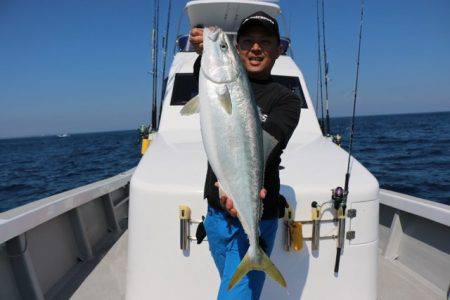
(264,264)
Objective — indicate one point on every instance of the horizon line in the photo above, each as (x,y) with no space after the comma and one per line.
(137,128)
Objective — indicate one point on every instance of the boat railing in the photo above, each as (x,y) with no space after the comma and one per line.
(414,236)
(49,246)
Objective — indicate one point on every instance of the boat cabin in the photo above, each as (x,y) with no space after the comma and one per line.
(162,255)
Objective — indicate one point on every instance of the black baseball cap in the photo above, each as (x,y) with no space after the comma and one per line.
(262,19)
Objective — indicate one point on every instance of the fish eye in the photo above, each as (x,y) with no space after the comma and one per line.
(223,46)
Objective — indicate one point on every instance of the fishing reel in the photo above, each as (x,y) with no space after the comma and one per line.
(144,132)
(337,139)
(339,197)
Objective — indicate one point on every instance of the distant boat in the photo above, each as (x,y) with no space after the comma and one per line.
(63,135)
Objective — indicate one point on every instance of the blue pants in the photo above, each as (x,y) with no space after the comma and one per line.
(228,244)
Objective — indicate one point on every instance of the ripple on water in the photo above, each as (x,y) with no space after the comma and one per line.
(407,153)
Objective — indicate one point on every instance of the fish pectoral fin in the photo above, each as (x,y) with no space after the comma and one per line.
(269,143)
(191,107)
(225,100)
(260,114)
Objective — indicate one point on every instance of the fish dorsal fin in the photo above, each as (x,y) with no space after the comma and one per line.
(191,107)
(225,98)
(269,142)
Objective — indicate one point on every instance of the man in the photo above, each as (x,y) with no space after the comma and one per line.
(258,44)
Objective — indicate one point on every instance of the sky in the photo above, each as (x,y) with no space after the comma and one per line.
(84,66)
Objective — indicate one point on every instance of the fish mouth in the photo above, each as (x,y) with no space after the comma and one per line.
(213,33)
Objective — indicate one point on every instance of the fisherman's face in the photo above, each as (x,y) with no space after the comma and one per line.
(258,50)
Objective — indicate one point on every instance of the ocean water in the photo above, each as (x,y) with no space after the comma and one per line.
(407,153)
(38,167)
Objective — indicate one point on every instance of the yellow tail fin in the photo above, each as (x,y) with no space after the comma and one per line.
(265,264)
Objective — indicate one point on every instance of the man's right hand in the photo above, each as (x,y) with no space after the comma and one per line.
(196,39)
(228,204)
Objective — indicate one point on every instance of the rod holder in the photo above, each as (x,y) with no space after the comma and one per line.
(293,235)
(185,217)
(287,223)
(341,228)
(340,239)
(296,235)
(315,216)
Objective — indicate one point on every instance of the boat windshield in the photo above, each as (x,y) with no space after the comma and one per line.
(184,45)
(185,87)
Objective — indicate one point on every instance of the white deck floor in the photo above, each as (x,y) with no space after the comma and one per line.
(108,280)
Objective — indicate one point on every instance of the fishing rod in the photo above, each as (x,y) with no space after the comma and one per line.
(339,194)
(154,67)
(325,61)
(165,44)
(166,39)
(319,71)
(155,51)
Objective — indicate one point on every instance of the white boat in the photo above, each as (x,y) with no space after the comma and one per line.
(79,244)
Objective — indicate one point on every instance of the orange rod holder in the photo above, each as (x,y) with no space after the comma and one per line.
(293,232)
(144,146)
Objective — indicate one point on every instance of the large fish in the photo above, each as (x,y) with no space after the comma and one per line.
(235,144)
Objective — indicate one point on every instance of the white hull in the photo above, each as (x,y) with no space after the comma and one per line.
(401,275)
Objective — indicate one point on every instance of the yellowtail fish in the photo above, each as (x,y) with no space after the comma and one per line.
(234,141)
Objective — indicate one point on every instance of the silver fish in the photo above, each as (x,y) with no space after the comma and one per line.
(235,144)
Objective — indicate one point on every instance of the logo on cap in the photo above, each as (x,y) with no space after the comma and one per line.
(259,18)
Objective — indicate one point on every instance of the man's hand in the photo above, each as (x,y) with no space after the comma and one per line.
(196,39)
(228,204)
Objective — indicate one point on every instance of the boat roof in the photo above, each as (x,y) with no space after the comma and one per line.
(228,15)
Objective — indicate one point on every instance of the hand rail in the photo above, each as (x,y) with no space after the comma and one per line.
(23,218)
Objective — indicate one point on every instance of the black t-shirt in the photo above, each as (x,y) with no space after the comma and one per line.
(280,108)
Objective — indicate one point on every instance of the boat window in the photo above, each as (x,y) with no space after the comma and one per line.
(184,45)
(185,88)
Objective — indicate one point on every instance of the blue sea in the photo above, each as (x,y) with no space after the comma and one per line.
(407,153)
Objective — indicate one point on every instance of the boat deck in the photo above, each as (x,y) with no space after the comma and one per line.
(108,280)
